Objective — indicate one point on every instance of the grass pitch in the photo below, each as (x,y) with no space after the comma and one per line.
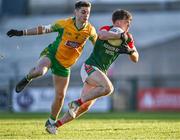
(95,126)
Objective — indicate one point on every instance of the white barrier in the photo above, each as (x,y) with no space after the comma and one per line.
(39,99)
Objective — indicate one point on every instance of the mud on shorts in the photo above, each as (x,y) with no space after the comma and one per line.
(87,70)
(56,67)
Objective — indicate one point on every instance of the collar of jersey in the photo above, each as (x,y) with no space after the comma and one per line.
(76,26)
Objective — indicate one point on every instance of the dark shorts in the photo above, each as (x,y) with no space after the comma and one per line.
(56,67)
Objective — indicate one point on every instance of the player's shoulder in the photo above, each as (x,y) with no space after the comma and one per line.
(68,21)
(130,40)
(91,29)
(64,21)
(130,36)
(89,26)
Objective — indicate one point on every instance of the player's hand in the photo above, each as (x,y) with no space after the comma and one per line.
(13,32)
(123,37)
(124,49)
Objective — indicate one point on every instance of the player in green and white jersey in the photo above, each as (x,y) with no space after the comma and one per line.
(93,71)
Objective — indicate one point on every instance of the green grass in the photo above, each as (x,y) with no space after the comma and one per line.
(120,126)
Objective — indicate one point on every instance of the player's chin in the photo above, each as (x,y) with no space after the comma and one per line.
(127,29)
(85,20)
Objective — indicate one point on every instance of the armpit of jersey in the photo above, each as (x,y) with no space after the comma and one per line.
(59,24)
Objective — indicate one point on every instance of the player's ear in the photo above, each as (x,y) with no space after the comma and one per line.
(75,12)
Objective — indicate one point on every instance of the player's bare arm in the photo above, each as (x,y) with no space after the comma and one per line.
(42,29)
(130,49)
(134,56)
(106,35)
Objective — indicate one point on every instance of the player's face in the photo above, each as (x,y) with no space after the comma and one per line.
(125,24)
(83,14)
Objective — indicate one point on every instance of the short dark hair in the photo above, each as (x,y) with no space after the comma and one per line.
(121,14)
(81,3)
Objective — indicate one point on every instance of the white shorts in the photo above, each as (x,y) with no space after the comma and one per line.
(86,70)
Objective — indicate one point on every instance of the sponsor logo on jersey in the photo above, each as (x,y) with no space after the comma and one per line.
(72,44)
(110,49)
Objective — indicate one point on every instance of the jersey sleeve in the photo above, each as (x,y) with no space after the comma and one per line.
(130,41)
(93,35)
(106,28)
(57,25)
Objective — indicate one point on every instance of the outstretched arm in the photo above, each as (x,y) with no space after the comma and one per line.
(42,29)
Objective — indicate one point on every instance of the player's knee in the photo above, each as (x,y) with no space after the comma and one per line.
(40,71)
(108,89)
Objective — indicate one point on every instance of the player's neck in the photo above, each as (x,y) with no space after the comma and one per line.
(79,24)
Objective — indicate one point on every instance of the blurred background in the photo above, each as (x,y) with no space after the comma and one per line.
(153,84)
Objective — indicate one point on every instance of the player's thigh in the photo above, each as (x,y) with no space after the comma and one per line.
(44,61)
(86,88)
(98,78)
(60,84)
